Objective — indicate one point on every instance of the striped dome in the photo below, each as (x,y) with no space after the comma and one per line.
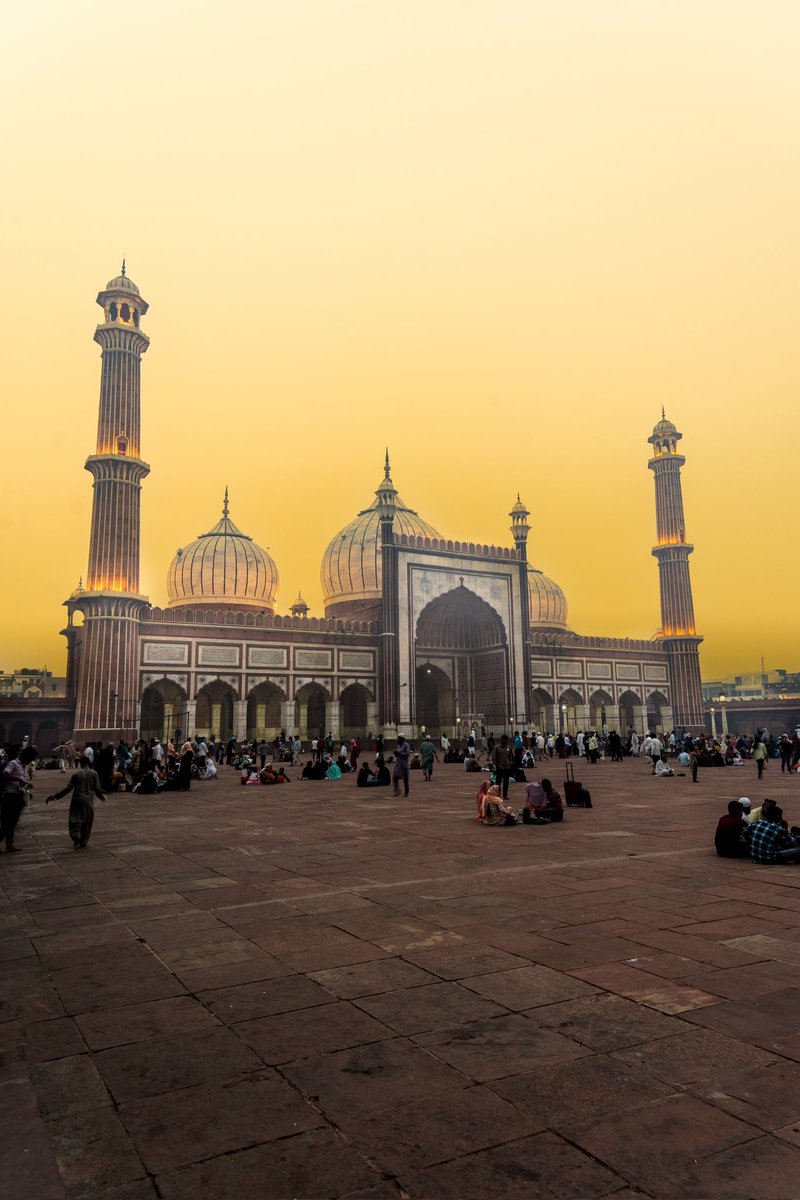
(351,565)
(223,567)
(546,601)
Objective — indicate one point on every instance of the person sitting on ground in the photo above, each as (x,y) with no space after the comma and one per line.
(535,804)
(482,790)
(493,811)
(314,770)
(662,767)
(333,771)
(684,759)
(757,813)
(769,842)
(210,771)
(554,809)
(366,777)
(746,807)
(729,840)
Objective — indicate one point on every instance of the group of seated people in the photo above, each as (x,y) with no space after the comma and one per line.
(268,775)
(542,805)
(760,834)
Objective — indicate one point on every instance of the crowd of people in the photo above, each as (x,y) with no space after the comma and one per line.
(148,766)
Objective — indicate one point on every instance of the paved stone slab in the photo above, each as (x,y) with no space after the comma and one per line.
(766,1096)
(68,1085)
(291,1036)
(27,1162)
(582,1090)
(370,1078)
(606,1022)
(527,987)
(431,1006)
(177,1129)
(436,1129)
(93,1152)
(694,1054)
(165,1064)
(544,1166)
(505,1045)
(139,1022)
(647,1160)
(306,1167)
(262,999)
(766,1167)
(371,978)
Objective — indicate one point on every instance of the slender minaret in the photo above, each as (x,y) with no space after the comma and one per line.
(106,647)
(519,531)
(389,692)
(678,632)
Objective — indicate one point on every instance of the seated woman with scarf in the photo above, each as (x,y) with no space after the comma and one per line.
(493,811)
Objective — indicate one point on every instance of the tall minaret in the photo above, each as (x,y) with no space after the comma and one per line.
(678,632)
(519,531)
(106,646)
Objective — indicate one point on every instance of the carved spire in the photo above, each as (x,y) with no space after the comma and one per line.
(225,502)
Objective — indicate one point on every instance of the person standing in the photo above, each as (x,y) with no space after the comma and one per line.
(14,794)
(760,755)
(84,786)
(401,756)
(427,754)
(502,761)
(355,751)
(786,754)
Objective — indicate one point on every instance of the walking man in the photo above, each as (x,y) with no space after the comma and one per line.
(501,761)
(84,785)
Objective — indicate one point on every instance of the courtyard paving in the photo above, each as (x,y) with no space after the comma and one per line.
(315,991)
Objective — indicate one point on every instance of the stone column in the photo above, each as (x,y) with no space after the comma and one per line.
(288,717)
(332,718)
(724,714)
(261,720)
(552,717)
(372,718)
(640,718)
(582,717)
(167,731)
(667,720)
(216,720)
(239,719)
(191,708)
(713,716)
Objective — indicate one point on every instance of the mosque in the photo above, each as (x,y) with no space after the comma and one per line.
(419,632)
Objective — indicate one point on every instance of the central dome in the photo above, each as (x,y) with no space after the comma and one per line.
(351,565)
(547,604)
(223,568)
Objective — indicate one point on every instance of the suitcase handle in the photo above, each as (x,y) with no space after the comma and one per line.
(570,772)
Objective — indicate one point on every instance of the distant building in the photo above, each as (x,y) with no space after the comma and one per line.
(31,683)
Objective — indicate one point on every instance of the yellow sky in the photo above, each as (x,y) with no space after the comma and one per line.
(497,235)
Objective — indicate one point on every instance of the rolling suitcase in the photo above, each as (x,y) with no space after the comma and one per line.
(575,793)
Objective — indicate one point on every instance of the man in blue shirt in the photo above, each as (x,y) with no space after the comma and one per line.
(769,842)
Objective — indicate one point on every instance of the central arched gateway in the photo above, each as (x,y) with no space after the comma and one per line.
(461,664)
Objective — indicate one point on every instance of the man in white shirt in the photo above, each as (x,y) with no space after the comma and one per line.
(158,752)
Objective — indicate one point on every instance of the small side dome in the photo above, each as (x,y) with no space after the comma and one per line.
(223,568)
(299,608)
(121,283)
(547,603)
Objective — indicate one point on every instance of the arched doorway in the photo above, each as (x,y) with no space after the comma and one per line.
(47,737)
(163,710)
(656,703)
(353,701)
(264,711)
(468,631)
(214,711)
(629,705)
(540,702)
(602,712)
(19,731)
(436,711)
(310,710)
(568,704)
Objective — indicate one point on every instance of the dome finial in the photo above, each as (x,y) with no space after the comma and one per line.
(122,272)
(225,502)
(386,466)
(663,414)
